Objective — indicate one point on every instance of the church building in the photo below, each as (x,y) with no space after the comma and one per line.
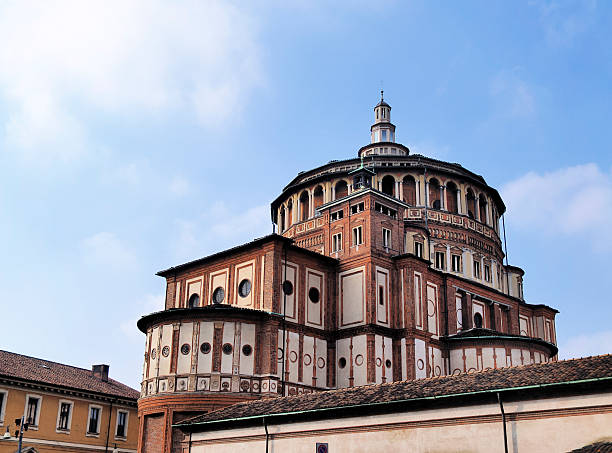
(385,267)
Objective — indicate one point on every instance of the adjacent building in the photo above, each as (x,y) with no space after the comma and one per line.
(387,267)
(67,409)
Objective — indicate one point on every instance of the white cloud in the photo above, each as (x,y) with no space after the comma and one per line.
(564,21)
(63,58)
(596,343)
(219,227)
(513,95)
(179,186)
(106,250)
(574,201)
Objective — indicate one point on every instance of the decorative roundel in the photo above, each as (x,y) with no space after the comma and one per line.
(185,349)
(293,356)
(146,356)
(205,348)
(245,386)
(322,448)
(288,287)
(431,308)
(456,372)
(358,360)
(225,386)
(478,320)
(292,391)
(378,361)
(244,288)
(420,364)
(194,301)
(438,370)
(153,353)
(307,359)
(247,349)
(165,351)
(218,295)
(279,354)
(313,295)
(342,362)
(388,363)
(321,362)
(227,348)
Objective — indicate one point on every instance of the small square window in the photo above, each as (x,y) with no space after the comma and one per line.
(456,263)
(440,260)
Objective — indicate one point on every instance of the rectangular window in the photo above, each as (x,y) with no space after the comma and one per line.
(386,233)
(3,397)
(337,242)
(384,135)
(32,410)
(337,215)
(357,236)
(456,263)
(63,417)
(381,295)
(93,425)
(122,419)
(440,260)
(487,272)
(418,249)
(476,269)
(357,208)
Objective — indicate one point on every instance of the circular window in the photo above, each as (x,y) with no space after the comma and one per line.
(185,349)
(247,349)
(205,348)
(227,348)
(194,300)
(166,351)
(478,320)
(288,287)
(388,363)
(244,288)
(218,295)
(342,362)
(153,353)
(313,295)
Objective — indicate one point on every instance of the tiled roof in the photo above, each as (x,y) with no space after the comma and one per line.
(41,371)
(538,376)
(597,447)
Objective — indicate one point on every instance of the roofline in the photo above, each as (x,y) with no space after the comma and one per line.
(456,338)
(57,387)
(281,415)
(357,194)
(239,248)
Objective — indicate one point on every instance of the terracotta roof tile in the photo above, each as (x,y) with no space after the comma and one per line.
(597,447)
(482,381)
(31,369)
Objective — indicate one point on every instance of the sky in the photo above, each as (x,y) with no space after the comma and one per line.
(137,135)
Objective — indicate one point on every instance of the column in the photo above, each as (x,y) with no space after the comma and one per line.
(333,192)
(401,190)
(417,191)
(298,211)
(443,197)
(427,193)
(488,213)
(448,258)
(397,192)
(311,203)
(477,207)
(459,207)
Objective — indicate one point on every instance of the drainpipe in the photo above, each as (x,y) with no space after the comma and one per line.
(501,407)
(267,435)
(110,411)
(190,433)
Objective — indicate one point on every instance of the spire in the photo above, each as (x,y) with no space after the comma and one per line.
(382,130)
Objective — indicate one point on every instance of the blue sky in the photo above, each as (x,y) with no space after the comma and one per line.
(137,135)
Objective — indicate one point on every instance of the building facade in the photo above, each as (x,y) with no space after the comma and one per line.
(387,267)
(67,409)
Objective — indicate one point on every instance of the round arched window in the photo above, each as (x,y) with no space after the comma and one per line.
(244,288)
(478,320)
(342,362)
(205,348)
(388,363)
(313,295)
(185,349)
(227,348)
(288,287)
(194,301)
(247,349)
(218,295)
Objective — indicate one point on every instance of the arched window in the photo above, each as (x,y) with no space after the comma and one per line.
(451,197)
(470,203)
(304,206)
(409,189)
(388,185)
(482,202)
(282,225)
(194,301)
(289,213)
(317,197)
(341,189)
(434,193)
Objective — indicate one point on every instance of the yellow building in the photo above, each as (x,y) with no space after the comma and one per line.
(67,409)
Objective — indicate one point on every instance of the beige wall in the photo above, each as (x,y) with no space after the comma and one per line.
(548,425)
